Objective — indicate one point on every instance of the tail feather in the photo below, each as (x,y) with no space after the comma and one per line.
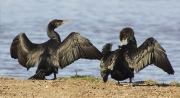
(38,76)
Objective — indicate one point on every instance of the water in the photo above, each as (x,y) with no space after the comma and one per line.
(100,22)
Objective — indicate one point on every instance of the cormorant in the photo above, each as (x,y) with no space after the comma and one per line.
(52,53)
(122,62)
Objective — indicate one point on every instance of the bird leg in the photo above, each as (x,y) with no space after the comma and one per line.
(54,76)
(119,84)
(133,84)
(130,80)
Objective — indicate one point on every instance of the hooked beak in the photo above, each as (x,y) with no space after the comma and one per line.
(123,40)
(60,22)
(65,21)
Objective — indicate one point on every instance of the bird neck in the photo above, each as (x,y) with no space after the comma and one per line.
(132,42)
(53,34)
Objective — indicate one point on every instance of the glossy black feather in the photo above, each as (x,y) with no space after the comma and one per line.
(72,48)
(106,63)
(114,64)
(38,76)
(25,51)
(128,58)
(150,52)
(53,53)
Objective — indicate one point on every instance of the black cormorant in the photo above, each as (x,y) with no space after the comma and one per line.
(52,53)
(122,62)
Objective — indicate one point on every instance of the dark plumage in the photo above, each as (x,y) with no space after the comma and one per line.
(113,63)
(122,62)
(53,53)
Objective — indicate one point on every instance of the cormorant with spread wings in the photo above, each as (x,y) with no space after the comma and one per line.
(122,62)
(52,53)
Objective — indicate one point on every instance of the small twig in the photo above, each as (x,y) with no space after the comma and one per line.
(76,73)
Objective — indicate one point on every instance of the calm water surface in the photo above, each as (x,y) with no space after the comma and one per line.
(100,22)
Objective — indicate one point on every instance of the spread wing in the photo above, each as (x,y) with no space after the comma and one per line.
(108,60)
(108,57)
(25,51)
(150,52)
(73,48)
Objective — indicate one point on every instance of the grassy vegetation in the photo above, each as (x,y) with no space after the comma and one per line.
(150,81)
(83,77)
(174,83)
(89,78)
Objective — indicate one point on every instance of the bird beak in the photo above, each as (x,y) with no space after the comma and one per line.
(122,42)
(65,21)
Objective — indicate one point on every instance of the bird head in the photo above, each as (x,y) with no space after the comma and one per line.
(56,23)
(126,34)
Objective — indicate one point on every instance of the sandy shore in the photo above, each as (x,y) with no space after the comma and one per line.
(81,88)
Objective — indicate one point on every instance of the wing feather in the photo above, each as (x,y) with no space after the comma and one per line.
(74,47)
(108,60)
(150,52)
(25,51)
